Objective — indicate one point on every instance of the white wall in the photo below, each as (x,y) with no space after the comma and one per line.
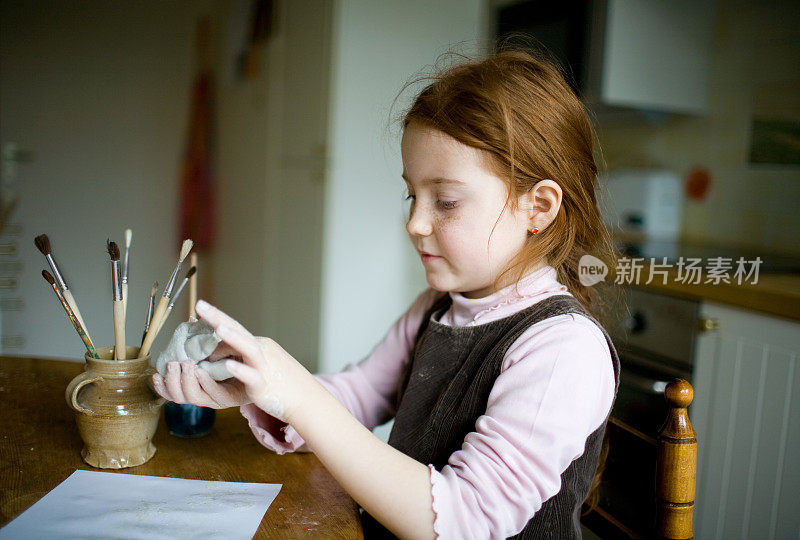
(99,92)
(244,157)
(271,168)
(367,279)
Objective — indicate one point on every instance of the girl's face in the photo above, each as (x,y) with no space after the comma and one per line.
(459,221)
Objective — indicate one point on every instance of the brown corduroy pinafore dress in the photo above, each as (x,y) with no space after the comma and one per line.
(446,389)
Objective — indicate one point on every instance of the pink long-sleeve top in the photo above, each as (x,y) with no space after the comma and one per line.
(555,388)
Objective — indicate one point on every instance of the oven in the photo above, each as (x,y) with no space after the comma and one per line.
(654,335)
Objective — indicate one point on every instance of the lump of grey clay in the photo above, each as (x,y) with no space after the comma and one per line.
(193,342)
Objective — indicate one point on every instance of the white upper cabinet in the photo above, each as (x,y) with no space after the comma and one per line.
(651,55)
(655,55)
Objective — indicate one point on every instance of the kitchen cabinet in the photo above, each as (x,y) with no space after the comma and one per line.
(747,402)
(650,54)
(621,55)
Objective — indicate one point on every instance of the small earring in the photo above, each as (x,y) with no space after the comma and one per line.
(535,230)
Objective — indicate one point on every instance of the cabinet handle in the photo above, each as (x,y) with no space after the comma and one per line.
(707,325)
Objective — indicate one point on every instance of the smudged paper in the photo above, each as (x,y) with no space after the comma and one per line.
(91,504)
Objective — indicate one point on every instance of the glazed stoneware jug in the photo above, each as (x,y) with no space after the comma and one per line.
(116,410)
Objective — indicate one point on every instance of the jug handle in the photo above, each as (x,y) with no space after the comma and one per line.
(74,387)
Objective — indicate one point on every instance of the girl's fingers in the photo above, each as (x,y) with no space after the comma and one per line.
(191,387)
(160,387)
(216,317)
(247,375)
(241,340)
(219,392)
(223,350)
(173,382)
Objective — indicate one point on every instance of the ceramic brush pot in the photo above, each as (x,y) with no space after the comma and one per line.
(116,411)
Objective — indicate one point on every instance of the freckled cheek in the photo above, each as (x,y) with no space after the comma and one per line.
(462,243)
(447,220)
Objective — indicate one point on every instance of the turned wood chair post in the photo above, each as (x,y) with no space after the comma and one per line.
(676,469)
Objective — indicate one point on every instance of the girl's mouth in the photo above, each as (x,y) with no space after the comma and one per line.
(427,257)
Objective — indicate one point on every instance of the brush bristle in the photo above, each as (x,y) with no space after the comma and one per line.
(49,277)
(128,238)
(191,272)
(113,250)
(42,243)
(154,289)
(185,249)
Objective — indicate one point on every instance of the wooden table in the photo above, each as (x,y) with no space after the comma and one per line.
(41,447)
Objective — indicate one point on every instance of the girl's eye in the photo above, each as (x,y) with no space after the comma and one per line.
(410,197)
(448,205)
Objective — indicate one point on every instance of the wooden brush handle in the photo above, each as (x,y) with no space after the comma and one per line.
(119,330)
(153,331)
(71,301)
(193,287)
(124,303)
(163,319)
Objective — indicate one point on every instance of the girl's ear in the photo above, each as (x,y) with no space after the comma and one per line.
(540,204)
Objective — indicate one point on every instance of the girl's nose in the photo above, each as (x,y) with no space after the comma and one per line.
(418,224)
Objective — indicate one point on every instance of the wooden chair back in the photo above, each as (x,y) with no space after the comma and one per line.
(676,468)
(675,454)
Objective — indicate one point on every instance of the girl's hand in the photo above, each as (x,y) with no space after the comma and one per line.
(186,383)
(271,377)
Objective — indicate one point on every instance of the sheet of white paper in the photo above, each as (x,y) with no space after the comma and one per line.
(91,504)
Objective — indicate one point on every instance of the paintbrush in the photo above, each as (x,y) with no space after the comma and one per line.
(152,333)
(119,309)
(43,243)
(128,238)
(78,327)
(193,287)
(174,298)
(150,305)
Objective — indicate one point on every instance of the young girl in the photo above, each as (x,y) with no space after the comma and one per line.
(498,378)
